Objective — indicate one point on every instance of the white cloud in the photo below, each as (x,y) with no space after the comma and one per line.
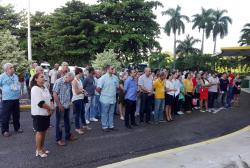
(237,10)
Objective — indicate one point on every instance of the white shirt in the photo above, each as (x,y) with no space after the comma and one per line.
(214,82)
(169,85)
(39,94)
(53,75)
(77,96)
(146,82)
(177,86)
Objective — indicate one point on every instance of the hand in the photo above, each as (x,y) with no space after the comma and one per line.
(61,108)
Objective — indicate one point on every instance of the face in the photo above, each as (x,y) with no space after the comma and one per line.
(56,66)
(147,71)
(133,73)
(111,70)
(224,75)
(69,79)
(189,76)
(97,74)
(40,80)
(170,77)
(65,68)
(162,77)
(34,65)
(10,70)
(40,71)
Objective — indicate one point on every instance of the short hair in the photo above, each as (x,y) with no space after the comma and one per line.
(65,63)
(162,73)
(6,66)
(186,75)
(91,69)
(38,68)
(70,74)
(78,70)
(33,81)
(169,75)
(107,67)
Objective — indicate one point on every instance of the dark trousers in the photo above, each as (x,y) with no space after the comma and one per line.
(10,107)
(188,101)
(130,107)
(175,106)
(211,99)
(79,112)
(230,96)
(223,98)
(65,115)
(146,107)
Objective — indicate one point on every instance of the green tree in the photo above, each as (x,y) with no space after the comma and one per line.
(130,28)
(245,35)
(108,57)
(186,47)
(175,24)
(220,25)
(10,52)
(203,22)
(159,60)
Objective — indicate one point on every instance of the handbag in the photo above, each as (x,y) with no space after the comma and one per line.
(194,101)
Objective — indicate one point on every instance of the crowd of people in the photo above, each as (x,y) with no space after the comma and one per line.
(96,95)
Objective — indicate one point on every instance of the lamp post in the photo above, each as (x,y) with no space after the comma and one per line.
(29,35)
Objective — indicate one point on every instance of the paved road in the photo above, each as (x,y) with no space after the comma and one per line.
(98,148)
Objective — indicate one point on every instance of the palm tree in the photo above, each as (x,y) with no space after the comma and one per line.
(245,37)
(203,21)
(175,24)
(186,47)
(219,25)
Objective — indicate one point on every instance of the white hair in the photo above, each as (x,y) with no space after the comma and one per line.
(70,74)
(38,68)
(6,66)
(64,63)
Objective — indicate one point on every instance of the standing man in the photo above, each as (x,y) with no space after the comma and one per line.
(89,86)
(62,98)
(107,87)
(223,89)
(53,73)
(10,96)
(97,103)
(130,88)
(145,83)
(159,87)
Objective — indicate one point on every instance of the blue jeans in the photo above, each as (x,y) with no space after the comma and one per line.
(108,115)
(159,108)
(97,105)
(65,115)
(229,96)
(89,108)
(79,112)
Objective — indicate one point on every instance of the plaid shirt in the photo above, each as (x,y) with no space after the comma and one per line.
(63,90)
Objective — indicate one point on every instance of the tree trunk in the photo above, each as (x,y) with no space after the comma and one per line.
(215,41)
(174,50)
(202,42)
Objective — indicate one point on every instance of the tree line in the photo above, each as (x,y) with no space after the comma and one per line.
(77,32)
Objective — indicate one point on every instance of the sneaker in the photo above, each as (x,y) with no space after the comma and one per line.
(94,119)
(87,122)
(196,108)
(180,113)
(86,128)
(79,131)
(203,111)
(6,134)
(122,118)
(19,131)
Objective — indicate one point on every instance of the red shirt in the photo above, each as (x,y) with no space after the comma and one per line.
(231,81)
(194,82)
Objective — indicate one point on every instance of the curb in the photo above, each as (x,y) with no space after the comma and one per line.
(25,107)
(174,150)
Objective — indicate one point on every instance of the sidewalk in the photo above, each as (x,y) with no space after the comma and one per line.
(229,151)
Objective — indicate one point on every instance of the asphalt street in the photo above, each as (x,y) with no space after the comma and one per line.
(97,148)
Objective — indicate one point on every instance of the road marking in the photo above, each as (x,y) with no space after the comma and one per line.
(219,109)
(175,150)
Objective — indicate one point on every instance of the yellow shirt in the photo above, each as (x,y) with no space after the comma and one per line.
(188,85)
(159,89)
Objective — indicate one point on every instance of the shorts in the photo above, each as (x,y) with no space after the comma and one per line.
(41,123)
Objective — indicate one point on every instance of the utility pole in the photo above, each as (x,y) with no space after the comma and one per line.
(29,35)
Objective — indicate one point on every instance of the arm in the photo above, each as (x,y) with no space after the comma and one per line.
(56,91)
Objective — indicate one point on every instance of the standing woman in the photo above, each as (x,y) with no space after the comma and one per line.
(170,91)
(41,110)
(121,95)
(204,92)
(77,99)
(189,89)
(237,89)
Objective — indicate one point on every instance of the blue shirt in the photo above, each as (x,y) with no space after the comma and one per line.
(63,90)
(130,88)
(108,85)
(10,87)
